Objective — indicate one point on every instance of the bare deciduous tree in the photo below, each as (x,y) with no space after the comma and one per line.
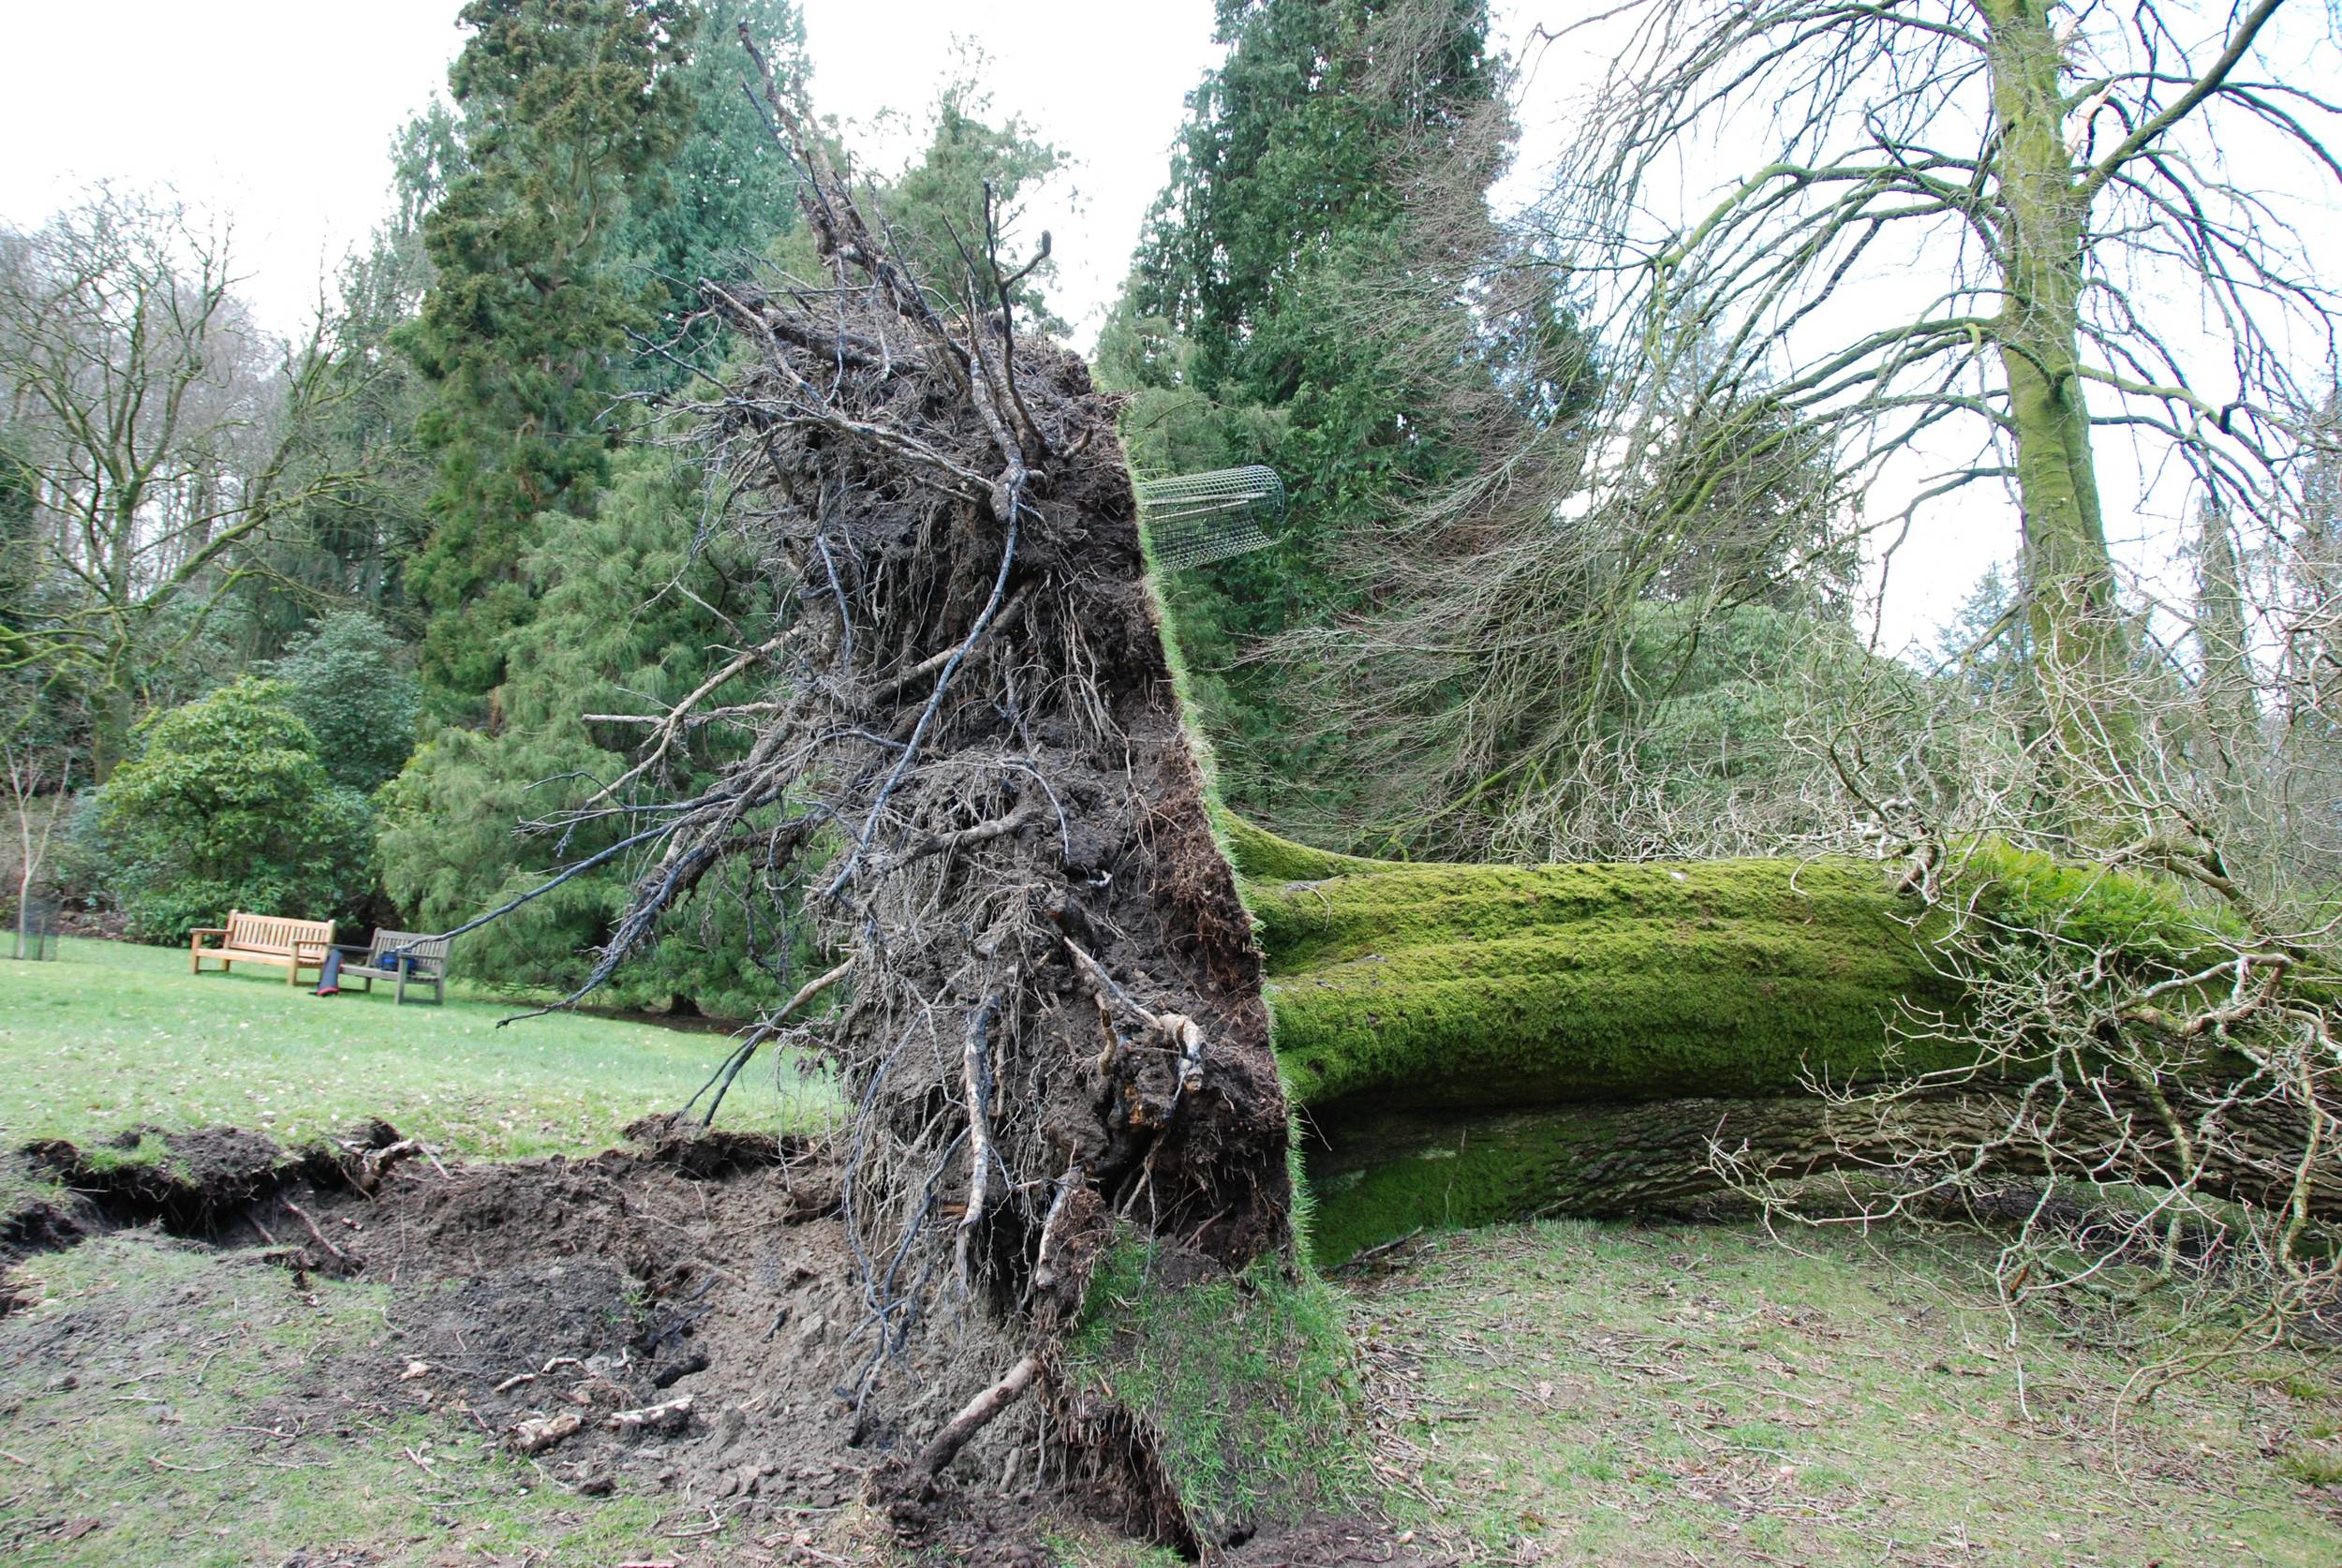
(2025,221)
(162,429)
(37,809)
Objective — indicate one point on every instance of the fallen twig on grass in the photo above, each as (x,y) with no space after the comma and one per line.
(1372,1253)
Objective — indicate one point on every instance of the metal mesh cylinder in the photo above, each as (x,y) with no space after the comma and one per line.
(1192,520)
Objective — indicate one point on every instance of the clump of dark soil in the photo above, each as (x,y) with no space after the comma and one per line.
(209,1174)
(678,1315)
(710,1271)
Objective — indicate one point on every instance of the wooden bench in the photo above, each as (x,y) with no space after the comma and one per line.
(293,945)
(406,955)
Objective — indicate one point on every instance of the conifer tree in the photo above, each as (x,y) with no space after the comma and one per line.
(729,189)
(611,593)
(573,109)
(619,626)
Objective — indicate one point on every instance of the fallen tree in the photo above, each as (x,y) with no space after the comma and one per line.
(1479,1043)
(1049,1016)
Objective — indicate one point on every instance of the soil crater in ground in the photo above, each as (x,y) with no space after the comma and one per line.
(677,1315)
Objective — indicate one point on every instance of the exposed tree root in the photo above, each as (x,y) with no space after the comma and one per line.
(970,769)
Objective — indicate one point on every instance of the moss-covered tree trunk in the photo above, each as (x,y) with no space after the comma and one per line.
(1054,1037)
(1470,1043)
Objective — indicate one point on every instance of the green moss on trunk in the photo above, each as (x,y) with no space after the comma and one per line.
(1260,856)
(1502,985)
(1493,986)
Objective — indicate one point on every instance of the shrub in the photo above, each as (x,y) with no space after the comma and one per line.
(225,805)
(351,683)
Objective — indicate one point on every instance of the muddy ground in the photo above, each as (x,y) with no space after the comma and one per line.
(676,1317)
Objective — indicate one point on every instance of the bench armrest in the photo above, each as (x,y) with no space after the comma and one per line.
(304,944)
(195,937)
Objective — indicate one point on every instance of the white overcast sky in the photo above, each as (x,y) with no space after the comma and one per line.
(277,115)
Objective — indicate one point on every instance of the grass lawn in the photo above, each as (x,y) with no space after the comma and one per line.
(1584,1393)
(145,1426)
(111,1036)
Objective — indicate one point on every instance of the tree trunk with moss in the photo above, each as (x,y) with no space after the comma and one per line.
(1469,1043)
(1066,1154)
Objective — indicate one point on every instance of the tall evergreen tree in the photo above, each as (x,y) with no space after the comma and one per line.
(573,109)
(613,600)
(937,205)
(730,189)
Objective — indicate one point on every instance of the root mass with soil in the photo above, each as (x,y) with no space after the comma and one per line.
(968,763)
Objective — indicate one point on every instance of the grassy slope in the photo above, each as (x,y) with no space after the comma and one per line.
(110,1036)
(1246,1385)
(1573,1392)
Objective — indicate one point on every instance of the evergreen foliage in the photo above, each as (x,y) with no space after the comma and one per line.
(225,805)
(627,610)
(730,190)
(1308,295)
(938,205)
(352,684)
(572,111)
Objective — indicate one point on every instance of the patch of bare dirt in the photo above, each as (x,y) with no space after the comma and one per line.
(678,1316)
(671,1315)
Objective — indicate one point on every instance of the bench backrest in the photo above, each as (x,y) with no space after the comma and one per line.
(275,933)
(429,953)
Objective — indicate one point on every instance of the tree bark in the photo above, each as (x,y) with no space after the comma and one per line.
(1379,1174)
(2080,638)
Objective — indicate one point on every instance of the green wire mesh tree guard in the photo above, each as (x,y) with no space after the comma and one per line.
(32,929)
(1193,520)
